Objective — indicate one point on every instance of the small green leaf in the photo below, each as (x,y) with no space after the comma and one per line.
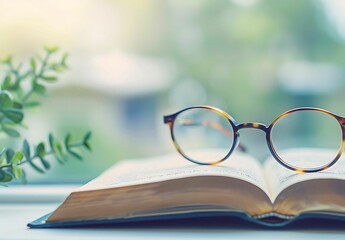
(40,150)
(9,155)
(26,149)
(87,136)
(87,145)
(33,64)
(17,105)
(76,155)
(86,140)
(5,177)
(7,82)
(59,151)
(5,100)
(59,69)
(68,140)
(7,60)
(34,166)
(45,163)
(51,49)
(32,104)
(63,60)
(54,147)
(17,171)
(49,78)
(17,157)
(15,115)
(39,88)
(51,140)
(11,132)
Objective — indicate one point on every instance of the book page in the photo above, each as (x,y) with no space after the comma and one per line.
(174,166)
(279,177)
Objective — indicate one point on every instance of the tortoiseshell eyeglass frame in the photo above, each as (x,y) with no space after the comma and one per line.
(170,120)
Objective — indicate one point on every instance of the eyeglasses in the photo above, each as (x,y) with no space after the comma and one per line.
(207,135)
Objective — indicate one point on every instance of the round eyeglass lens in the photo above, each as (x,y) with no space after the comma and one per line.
(203,135)
(307,139)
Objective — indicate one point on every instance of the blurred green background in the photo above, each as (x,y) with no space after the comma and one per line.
(133,61)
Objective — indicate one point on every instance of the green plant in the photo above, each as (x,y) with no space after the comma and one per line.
(18,89)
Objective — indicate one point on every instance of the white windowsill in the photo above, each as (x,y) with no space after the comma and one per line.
(35,193)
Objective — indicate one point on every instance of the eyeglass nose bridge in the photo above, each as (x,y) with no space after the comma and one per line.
(255,125)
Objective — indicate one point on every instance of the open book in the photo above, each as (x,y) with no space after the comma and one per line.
(171,187)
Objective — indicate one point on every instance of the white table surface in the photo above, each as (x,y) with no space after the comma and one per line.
(20,205)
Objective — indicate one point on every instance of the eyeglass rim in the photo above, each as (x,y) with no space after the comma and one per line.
(170,120)
(341,122)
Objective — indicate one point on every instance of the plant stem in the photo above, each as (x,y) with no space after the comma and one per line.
(5,166)
(72,145)
(44,63)
(77,144)
(36,77)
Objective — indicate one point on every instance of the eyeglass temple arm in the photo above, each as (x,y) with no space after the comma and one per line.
(215,126)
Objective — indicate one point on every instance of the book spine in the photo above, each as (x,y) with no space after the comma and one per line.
(273,215)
